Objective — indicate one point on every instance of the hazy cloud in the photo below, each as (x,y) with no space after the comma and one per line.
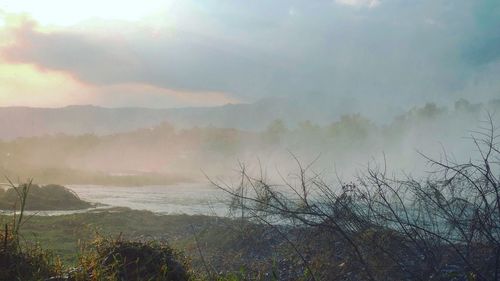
(367,3)
(401,51)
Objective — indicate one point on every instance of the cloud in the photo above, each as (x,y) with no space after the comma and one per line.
(144,95)
(484,46)
(359,3)
(183,62)
(402,52)
(25,85)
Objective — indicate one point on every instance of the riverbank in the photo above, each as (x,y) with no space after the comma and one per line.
(228,245)
(66,176)
(224,247)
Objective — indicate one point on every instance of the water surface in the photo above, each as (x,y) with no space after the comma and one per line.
(184,198)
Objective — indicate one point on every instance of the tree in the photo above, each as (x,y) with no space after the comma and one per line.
(445,225)
(275,131)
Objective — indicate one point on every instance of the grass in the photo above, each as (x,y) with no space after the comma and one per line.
(118,259)
(228,250)
(62,234)
(23,261)
(22,258)
(117,242)
(67,237)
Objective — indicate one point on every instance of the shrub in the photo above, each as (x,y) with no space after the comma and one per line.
(109,259)
(48,197)
(27,262)
(442,227)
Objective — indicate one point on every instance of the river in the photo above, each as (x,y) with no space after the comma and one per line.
(184,198)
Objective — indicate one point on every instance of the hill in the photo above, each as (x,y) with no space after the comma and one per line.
(42,198)
(18,122)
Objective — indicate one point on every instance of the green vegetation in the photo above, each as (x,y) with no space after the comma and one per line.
(376,227)
(226,248)
(27,262)
(102,259)
(109,259)
(48,197)
(166,155)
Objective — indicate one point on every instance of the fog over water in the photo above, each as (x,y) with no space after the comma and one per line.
(191,199)
(165,94)
(250,140)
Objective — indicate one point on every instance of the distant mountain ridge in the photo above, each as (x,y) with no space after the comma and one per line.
(74,120)
(18,122)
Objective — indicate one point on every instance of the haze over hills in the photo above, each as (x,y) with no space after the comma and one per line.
(263,140)
(158,150)
(87,119)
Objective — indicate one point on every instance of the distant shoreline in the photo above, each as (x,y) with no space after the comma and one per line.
(74,177)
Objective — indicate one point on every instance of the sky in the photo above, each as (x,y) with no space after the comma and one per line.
(168,53)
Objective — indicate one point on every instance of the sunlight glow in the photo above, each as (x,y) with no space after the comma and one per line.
(67,13)
(24,84)
(28,85)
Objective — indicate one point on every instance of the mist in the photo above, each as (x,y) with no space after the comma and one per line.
(250,140)
(392,54)
(166,152)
